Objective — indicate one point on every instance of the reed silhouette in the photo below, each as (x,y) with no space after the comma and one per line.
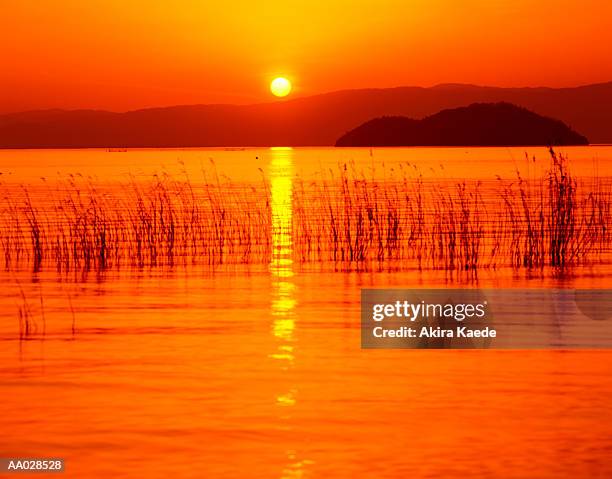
(405,221)
(343,220)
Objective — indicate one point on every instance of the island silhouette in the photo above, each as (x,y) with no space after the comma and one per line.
(479,124)
(317,120)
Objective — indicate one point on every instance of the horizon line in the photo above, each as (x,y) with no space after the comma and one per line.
(300,98)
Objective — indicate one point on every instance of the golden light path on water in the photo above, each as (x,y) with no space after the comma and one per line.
(281,265)
(283,290)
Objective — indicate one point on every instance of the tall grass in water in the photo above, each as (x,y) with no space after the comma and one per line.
(78,224)
(397,222)
(556,220)
(404,221)
(343,218)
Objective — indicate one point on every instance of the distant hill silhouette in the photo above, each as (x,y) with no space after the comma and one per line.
(480,124)
(309,121)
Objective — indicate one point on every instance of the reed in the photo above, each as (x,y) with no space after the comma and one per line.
(556,220)
(28,326)
(403,221)
(342,218)
(80,224)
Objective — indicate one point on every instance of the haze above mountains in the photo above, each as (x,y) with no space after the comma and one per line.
(310,121)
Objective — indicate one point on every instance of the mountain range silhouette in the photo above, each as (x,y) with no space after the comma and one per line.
(309,121)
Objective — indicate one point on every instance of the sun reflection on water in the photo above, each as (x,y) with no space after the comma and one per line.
(283,291)
(281,265)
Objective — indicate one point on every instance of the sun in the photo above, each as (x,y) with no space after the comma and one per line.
(280,86)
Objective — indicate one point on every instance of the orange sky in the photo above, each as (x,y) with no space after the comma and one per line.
(122,55)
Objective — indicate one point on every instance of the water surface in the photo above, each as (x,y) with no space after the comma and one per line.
(255,370)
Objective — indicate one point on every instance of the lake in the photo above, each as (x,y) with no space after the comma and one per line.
(196,312)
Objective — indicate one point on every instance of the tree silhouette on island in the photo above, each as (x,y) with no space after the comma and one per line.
(479,124)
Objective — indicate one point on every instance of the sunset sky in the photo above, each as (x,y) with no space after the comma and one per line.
(121,55)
